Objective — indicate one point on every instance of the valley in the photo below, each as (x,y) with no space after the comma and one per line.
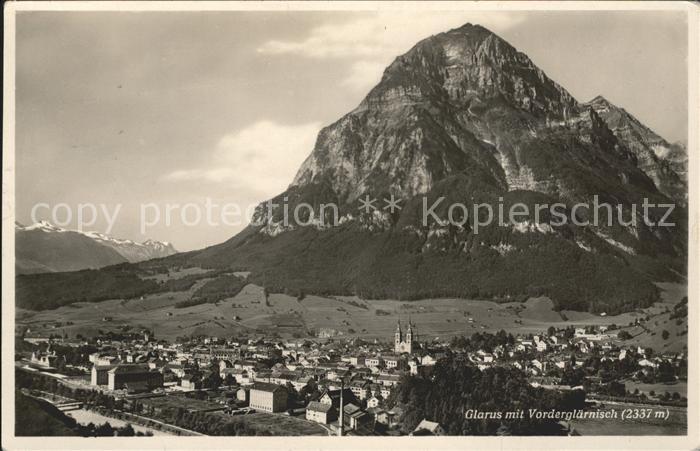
(252,313)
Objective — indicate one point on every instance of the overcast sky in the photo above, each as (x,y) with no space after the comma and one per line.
(131,108)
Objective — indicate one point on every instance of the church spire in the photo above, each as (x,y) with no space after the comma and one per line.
(398,336)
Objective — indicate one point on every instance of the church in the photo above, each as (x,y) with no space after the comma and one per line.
(404,344)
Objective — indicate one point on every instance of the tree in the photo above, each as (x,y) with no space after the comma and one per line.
(292,395)
(456,385)
(310,392)
(104,430)
(212,380)
(551,330)
(368,393)
(624,335)
(126,431)
(666,372)
(569,332)
(665,334)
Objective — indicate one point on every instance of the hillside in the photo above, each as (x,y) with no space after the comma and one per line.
(172,314)
(36,418)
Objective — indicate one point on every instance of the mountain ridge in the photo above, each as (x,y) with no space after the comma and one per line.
(44,247)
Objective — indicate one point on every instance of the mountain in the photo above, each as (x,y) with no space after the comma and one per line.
(464,117)
(43,247)
(132,251)
(666,164)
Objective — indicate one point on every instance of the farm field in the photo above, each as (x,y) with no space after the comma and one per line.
(250,312)
(175,401)
(279,424)
(676,424)
(681,387)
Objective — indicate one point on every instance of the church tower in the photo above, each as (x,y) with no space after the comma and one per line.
(409,338)
(398,337)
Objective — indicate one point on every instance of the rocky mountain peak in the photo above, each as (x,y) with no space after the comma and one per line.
(428,118)
(664,163)
(464,65)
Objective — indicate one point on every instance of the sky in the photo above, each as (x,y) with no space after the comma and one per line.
(154,117)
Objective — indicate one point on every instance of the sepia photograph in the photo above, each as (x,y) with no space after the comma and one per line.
(333,225)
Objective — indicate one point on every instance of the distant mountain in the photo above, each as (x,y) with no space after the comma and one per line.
(134,252)
(43,247)
(666,164)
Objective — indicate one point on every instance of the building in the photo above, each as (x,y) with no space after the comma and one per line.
(268,397)
(394,362)
(403,344)
(243,395)
(190,382)
(230,354)
(388,380)
(177,369)
(332,397)
(322,413)
(355,418)
(373,402)
(413,366)
(426,427)
(301,382)
(100,374)
(374,362)
(133,378)
(47,359)
(359,389)
(388,418)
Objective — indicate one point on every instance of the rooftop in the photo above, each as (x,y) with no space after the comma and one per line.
(264,386)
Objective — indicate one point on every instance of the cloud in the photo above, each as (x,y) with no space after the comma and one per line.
(261,159)
(363,75)
(372,42)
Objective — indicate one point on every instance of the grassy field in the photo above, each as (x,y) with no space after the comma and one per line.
(176,274)
(279,424)
(250,312)
(676,424)
(681,387)
(175,401)
(650,334)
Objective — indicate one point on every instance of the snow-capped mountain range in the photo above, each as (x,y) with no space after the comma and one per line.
(44,247)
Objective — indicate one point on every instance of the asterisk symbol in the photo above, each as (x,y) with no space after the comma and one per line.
(392,204)
(366,204)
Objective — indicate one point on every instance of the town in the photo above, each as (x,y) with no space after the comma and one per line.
(334,386)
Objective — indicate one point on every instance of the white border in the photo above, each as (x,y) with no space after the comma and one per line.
(691,441)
